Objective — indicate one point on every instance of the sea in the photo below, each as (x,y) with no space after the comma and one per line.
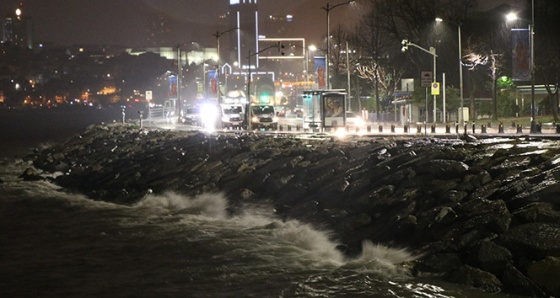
(54,243)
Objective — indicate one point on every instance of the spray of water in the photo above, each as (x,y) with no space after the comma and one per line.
(209,205)
(290,242)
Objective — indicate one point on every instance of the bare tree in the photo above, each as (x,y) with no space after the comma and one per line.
(377,48)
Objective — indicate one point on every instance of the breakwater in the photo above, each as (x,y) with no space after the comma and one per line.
(480,212)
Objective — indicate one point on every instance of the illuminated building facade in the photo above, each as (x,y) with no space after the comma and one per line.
(244,15)
(18,29)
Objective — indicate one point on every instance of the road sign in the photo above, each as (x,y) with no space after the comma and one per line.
(149,95)
(426,79)
(435,88)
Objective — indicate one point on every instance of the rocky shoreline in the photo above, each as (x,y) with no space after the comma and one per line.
(483,213)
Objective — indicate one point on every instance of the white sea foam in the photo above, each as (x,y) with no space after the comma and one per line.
(382,259)
(291,242)
(209,205)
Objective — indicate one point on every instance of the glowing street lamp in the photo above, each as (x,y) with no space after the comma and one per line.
(461,116)
(328,9)
(310,48)
(432,51)
(513,17)
(218,35)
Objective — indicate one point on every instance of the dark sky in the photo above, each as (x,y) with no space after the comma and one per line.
(160,22)
(132,22)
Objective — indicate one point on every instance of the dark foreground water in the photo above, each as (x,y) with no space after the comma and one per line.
(56,244)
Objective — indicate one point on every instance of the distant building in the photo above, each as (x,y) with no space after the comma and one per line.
(244,15)
(18,29)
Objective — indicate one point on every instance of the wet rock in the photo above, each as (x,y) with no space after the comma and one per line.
(537,212)
(518,283)
(477,278)
(480,212)
(489,256)
(30,174)
(545,273)
(438,265)
(533,240)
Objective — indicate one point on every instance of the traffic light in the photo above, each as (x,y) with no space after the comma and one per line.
(280,47)
(265,90)
(404,42)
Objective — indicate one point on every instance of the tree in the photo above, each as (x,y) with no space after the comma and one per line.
(387,22)
(376,50)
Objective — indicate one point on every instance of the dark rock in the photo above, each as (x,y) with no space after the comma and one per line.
(30,174)
(537,212)
(477,278)
(533,240)
(438,265)
(486,204)
(518,283)
(489,256)
(545,273)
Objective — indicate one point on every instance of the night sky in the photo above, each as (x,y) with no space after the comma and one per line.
(140,23)
(148,22)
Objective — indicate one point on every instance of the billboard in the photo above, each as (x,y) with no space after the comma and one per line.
(521,54)
(213,82)
(320,67)
(172,87)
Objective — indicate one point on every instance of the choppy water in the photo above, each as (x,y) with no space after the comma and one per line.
(56,244)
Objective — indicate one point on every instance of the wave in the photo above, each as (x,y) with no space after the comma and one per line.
(289,242)
(209,205)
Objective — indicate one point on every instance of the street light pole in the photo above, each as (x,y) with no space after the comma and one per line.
(461,116)
(512,17)
(531,31)
(311,49)
(217,35)
(328,9)
(348,77)
(431,51)
(178,105)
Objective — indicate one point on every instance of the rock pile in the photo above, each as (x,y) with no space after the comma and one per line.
(483,213)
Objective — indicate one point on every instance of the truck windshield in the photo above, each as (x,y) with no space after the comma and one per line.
(263,110)
(232,110)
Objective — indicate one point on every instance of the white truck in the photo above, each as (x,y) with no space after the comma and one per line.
(232,115)
(263,116)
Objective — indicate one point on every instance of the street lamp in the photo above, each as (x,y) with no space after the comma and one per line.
(461,114)
(513,17)
(311,48)
(217,35)
(328,9)
(431,51)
